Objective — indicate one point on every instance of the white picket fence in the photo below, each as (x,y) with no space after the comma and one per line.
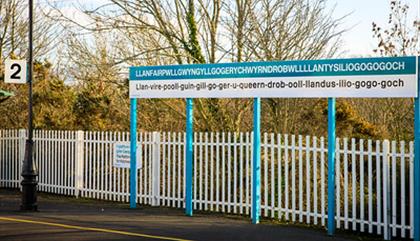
(374,179)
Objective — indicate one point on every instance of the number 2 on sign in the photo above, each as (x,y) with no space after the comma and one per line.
(15,75)
(15,71)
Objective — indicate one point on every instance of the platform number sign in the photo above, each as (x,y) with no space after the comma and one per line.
(15,71)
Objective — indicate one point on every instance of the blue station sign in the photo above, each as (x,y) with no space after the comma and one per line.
(358,77)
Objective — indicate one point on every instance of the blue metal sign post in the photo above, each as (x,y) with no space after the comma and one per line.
(331,166)
(416,224)
(256,161)
(133,148)
(189,158)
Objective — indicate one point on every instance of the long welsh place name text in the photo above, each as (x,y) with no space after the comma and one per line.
(272,69)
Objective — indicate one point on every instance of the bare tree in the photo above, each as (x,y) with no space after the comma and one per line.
(14,30)
(399,37)
(211,31)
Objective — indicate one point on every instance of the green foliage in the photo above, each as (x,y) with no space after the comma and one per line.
(312,118)
(91,108)
(351,124)
(52,100)
(100,107)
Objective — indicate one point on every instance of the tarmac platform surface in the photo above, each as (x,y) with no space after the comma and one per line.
(68,218)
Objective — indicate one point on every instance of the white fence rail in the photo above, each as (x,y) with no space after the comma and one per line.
(374,179)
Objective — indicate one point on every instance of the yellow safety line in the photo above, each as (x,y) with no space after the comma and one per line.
(92,229)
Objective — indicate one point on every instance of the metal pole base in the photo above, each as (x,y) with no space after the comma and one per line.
(29,182)
(29,194)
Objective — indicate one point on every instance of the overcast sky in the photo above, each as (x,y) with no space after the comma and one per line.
(359,41)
